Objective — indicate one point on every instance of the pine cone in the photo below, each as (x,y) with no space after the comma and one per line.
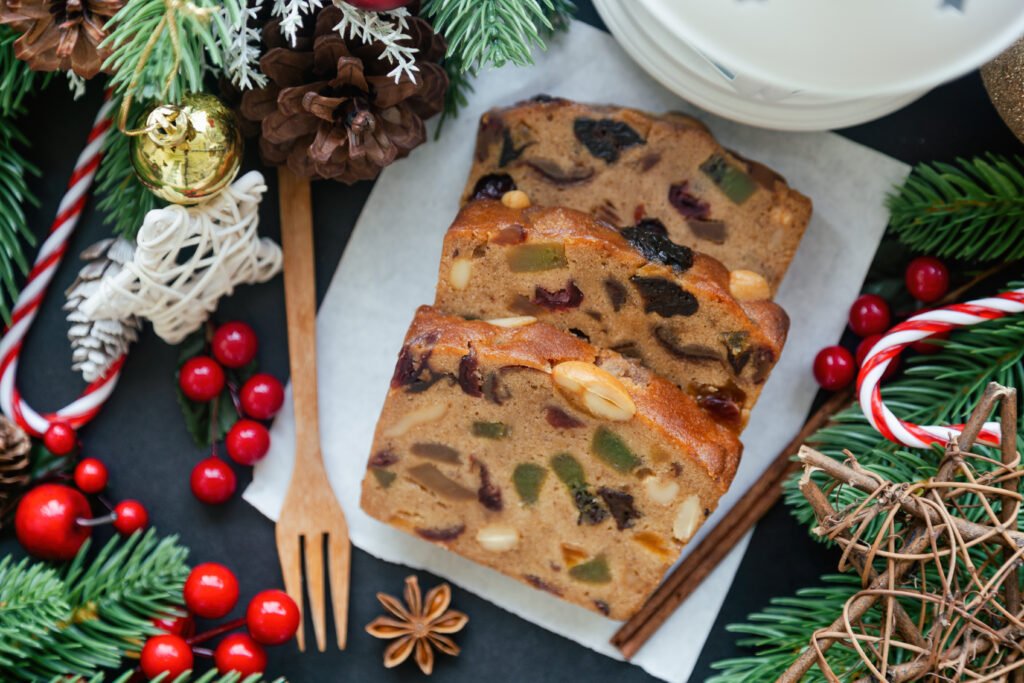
(60,34)
(14,465)
(96,344)
(331,111)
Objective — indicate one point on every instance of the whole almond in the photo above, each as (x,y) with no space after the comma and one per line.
(746,285)
(459,275)
(415,418)
(498,538)
(594,390)
(688,519)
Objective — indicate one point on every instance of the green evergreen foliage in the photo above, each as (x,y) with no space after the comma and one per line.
(123,200)
(208,677)
(15,235)
(16,79)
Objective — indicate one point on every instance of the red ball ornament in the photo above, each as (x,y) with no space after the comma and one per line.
(834,368)
(60,438)
(865,346)
(184,626)
(869,315)
(272,617)
(166,654)
(238,652)
(130,516)
(211,591)
(234,344)
(262,396)
(91,475)
(201,379)
(927,279)
(213,481)
(247,442)
(46,521)
(379,5)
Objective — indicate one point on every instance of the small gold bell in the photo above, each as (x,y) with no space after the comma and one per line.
(187,152)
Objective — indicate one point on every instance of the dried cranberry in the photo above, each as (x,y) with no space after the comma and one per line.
(665,298)
(540,583)
(493,186)
(559,419)
(602,607)
(488,494)
(469,375)
(649,237)
(685,203)
(563,299)
(605,138)
(384,458)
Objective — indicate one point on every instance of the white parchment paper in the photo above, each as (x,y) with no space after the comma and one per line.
(390,266)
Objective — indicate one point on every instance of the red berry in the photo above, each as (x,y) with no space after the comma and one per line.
(379,5)
(213,481)
(201,379)
(130,516)
(184,626)
(927,279)
(46,521)
(60,438)
(869,315)
(273,617)
(91,475)
(238,652)
(262,396)
(165,654)
(234,344)
(211,591)
(866,344)
(833,368)
(247,442)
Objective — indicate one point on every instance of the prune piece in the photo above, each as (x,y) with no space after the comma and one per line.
(690,352)
(732,181)
(559,419)
(620,504)
(532,258)
(540,583)
(764,359)
(496,392)
(490,430)
(493,186)
(737,349)
(569,471)
(689,205)
(594,571)
(563,299)
(609,447)
(488,494)
(665,298)
(528,480)
(712,231)
(628,349)
(509,151)
(449,533)
(556,175)
(430,477)
(383,477)
(384,458)
(617,293)
(605,138)
(512,234)
(648,237)
(469,375)
(602,607)
(436,451)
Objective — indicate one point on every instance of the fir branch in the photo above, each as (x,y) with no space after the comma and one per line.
(242,47)
(292,13)
(460,84)
(16,79)
(971,210)
(390,29)
(14,195)
(122,198)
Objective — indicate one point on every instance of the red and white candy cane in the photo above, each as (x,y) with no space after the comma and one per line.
(914,329)
(50,255)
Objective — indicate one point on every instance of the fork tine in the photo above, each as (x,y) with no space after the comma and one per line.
(289,554)
(339,558)
(315,588)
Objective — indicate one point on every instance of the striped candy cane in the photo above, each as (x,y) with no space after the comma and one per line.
(50,255)
(914,329)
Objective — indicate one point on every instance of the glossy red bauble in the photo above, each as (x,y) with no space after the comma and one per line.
(201,379)
(91,475)
(247,442)
(211,591)
(184,626)
(272,617)
(60,438)
(379,5)
(240,653)
(834,368)
(262,396)
(865,346)
(130,516)
(869,315)
(927,279)
(166,654)
(46,521)
(213,481)
(234,344)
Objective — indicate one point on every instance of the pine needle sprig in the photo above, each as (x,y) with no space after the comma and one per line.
(209,677)
(15,234)
(122,198)
(971,210)
(17,80)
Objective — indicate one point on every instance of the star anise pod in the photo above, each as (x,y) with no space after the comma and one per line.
(418,626)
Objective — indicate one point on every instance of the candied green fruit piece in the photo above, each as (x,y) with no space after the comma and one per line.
(609,447)
(531,258)
(528,479)
(594,571)
(732,181)
(490,430)
(568,469)
(383,477)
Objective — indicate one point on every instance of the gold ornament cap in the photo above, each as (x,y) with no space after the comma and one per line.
(187,152)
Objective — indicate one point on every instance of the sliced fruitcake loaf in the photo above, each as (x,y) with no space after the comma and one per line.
(713,333)
(623,165)
(530,451)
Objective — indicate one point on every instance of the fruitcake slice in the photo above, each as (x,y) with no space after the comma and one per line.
(530,451)
(714,334)
(623,165)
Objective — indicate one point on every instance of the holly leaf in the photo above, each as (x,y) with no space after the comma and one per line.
(194,345)
(199,415)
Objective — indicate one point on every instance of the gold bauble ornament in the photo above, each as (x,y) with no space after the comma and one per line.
(1004,81)
(187,152)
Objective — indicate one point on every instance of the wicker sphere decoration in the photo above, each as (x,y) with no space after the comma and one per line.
(187,152)
(1004,81)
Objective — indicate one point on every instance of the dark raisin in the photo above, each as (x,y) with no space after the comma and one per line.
(416,375)
(605,138)
(448,533)
(649,238)
(602,607)
(435,451)
(540,583)
(559,419)
(488,494)
(691,352)
(685,203)
(545,99)
(620,504)
(628,349)
(509,151)
(617,293)
(764,360)
(563,299)
(469,375)
(712,231)
(493,186)
(737,349)
(591,512)
(512,234)
(556,175)
(494,390)
(576,332)
(722,403)
(665,298)
(384,458)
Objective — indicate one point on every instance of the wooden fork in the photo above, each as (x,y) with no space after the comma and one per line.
(311,514)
